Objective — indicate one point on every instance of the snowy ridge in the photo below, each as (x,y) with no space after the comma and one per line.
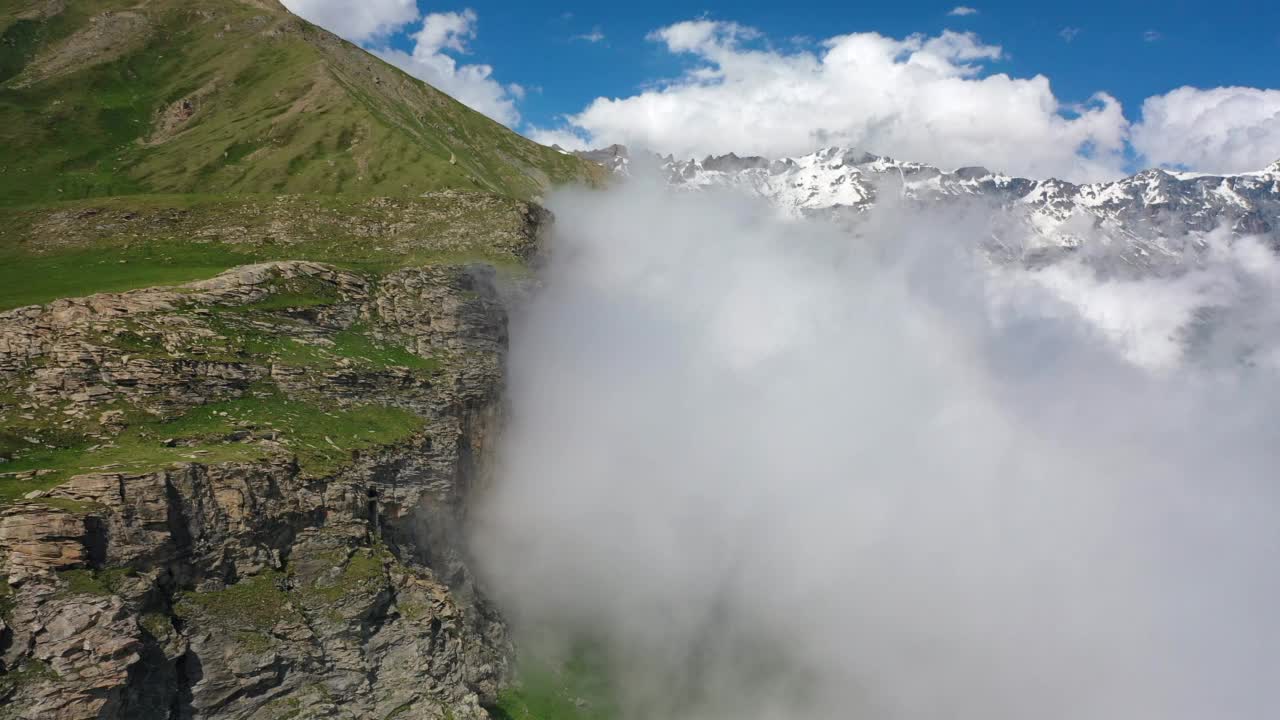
(1145,208)
(1169,267)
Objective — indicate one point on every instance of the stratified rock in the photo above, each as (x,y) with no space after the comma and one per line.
(255,588)
(36,540)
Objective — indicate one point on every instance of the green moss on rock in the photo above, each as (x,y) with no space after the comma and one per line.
(30,672)
(257,602)
(158,625)
(362,572)
(94,582)
(6,598)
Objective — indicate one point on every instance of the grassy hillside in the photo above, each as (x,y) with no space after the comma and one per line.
(124,97)
(82,247)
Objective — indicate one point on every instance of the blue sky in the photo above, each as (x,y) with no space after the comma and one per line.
(532,65)
(1203,44)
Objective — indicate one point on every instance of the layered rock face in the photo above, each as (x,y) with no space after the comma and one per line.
(243,496)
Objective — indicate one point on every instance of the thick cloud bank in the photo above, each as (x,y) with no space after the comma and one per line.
(937,99)
(779,471)
(920,97)
(1223,130)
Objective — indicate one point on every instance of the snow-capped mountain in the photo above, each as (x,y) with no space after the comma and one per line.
(1156,211)
(1157,262)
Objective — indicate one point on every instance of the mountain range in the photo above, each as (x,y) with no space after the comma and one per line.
(254,296)
(1147,216)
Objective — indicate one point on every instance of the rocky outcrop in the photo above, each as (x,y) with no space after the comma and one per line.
(107,37)
(87,647)
(201,528)
(74,352)
(39,540)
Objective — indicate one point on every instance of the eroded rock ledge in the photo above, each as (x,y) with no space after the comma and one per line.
(242,497)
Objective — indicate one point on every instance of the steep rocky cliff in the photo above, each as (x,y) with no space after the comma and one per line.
(240,497)
(252,332)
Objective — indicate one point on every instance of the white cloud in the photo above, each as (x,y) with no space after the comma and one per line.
(372,22)
(473,85)
(917,97)
(1069,33)
(357,20)
(962,10)
(565,138)
(595,36)
(447,31)
(794,473)
(701,35)
(1151,35)
(1227,129)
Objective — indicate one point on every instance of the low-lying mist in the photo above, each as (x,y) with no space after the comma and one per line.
(777,470)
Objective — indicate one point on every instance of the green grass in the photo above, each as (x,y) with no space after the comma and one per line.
(283,708)
(254,604)
(73,137)
(112,245)
(412,610)
(31,279)
(361,572)
(28,673)
(322,439)
(137,450)
(402,711)
(17,433)
(17,45)
(294,294)
(78,507)
(94,582)
(356,344)
(274,112)
(255,641)
(157,624)
(270,340)
(549,692)
(6,597)
(248,342)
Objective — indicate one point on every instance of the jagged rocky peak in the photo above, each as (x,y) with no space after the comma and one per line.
(614,158)
(732,163)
